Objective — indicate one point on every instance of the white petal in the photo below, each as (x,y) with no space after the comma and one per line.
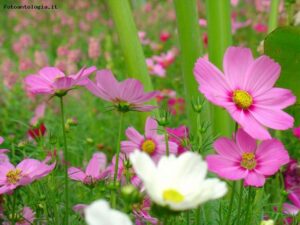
(99,213)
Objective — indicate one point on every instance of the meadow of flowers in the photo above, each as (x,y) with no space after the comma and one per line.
(121,112)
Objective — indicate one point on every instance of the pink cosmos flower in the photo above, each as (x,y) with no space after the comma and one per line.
(164,36)
(23,174)
(141,213)
(51,80)
(155,69)
(127,95)
(292,175)
(260,28)
(294,208)
(94,48)
(27,217)
(180,136)
(152,143)
(243,159)
(165,93)
(39,113)
(296,132)
(246,91)
(95,170)
(3,157)
(166,59)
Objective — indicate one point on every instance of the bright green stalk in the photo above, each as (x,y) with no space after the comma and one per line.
(219,35)
(190,46)
(129,41)
(231,203)
(66,159)
(273,19)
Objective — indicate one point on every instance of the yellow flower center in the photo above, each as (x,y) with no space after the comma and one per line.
(148,146)
(172,195)
(242,99)
(248,161)
(13,176)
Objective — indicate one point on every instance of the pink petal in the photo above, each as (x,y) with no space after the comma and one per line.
(249,123)
(290,209)
(97,163)
(236,62)
(273,118)
(150,127)
(228,149)
(1,140)
(277,98)
(50,74)
(134,136)
(108,84)
(130,89)
(37,85)
(262,75)
(63,83)
(225,168)
(129,146)
(255,179)
(76,174)
(245,142)
(212,82)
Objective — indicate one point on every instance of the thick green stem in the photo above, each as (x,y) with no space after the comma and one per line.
(273,19)
(240,202)
(129,41)
(197,219)
(187,219)
(231,203)
(66,160)
(220,38)
(113,197)
(191,49)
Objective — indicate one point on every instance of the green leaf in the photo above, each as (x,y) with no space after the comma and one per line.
(283,45)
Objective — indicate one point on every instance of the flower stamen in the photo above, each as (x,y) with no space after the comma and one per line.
(242,99)
(248,161)
(148,146)
(13,176)
(172,195)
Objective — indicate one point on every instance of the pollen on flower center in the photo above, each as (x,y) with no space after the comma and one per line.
(148,146)
(248,161)
(242,99)
(13,176)
(172,195)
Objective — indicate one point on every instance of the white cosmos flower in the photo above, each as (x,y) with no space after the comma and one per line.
(179,183)
(99,213)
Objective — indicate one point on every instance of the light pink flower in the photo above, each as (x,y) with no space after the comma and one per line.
(27,217)
(141,214)
(95,170)
(3,157)
(39,113)
(165,93)
(127,95)
(166,59)
(23,174)
(244,159)
(152,143)
(234,2)
(51,80)
(176,105)
(246,91)
(294,208)
(94,48)
(155,69)
(143,38)
(180,135)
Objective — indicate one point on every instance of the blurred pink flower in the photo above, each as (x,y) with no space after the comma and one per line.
(176,105)
(155,69)
(151,142)
(40,58)
(25,64)
(94,48)
(166,59)
(296,132)
(62,51)
(39,113)
(26,172)
(164,36)
(165,93)
(243,159)
(141,213)
(143,39)
(51,80)
(235,2)
(127,95)
(74,55)
(180,136)
(260,28)
(95,170)
(3,157)
(27,217)
(246,91)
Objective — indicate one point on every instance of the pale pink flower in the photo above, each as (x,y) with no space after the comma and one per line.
(3,157)
(166,59)
(235,2)
(246,91)
(244,159)
(155,69)
(142,36)
(39,113)
(27,217)
(40,58)
(94,48)
(165,93)
(180,135)
(141,214)
(95,170)
(26,172)
(25,64)
(176,105)
(127,95)
(51,80)
(151,142)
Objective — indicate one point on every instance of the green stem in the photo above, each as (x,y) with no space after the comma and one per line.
(66,160)
(187,220)
(273,19)
(197,219)
(14,216)
(130,45)
(220,38)
(114,197)
(167,141)
(240,202)
(191,49)
(231,203)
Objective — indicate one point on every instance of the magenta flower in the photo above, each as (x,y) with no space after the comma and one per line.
(51,80)
(27,217)
(95,170)
(152,143)
(291,175)
(23,174)
(155,69)
(127,95)
(180,136)
(246,91)
(296,132)
(294,207)
(243,159)
(141,213)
